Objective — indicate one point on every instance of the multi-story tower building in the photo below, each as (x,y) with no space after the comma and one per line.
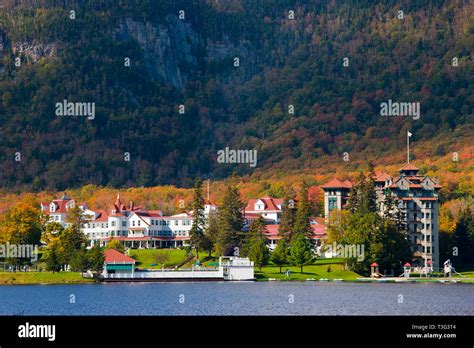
(416,198)
(418,202)
(336,194)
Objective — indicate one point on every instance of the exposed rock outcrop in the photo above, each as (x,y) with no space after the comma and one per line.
(35,51)
(169,49)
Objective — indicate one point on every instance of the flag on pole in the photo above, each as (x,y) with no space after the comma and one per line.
(408,146)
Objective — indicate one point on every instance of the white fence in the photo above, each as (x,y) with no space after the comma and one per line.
(167,274)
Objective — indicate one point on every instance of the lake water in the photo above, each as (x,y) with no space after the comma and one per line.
(238,298)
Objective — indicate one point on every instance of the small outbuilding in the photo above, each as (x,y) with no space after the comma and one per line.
(374,269)
(116,262)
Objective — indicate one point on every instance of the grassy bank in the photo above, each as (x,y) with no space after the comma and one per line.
(42,278)
(330,269)
(168,258)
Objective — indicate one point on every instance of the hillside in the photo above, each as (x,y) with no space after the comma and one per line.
(191,61)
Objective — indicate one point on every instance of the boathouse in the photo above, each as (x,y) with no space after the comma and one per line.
(118,263)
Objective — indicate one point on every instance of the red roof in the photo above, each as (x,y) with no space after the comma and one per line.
(252,216)
(114,256)
(61,206)
(270,204)
(149,213)
(382,177)
(335,183)
(102,216)
(272,231)
(374,264)
(145,238)
(409,167)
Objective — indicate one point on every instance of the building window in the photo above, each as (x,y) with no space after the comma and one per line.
(113,223)
(176,222)
(332,203)
(124,223)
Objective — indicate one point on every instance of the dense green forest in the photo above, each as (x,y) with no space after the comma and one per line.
(47,57)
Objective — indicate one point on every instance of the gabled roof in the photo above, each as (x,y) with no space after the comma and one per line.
(382,177)
(409,167)
(270,204)
(114,256)
(335,183)
(101,217)
(61,206)
(208,202)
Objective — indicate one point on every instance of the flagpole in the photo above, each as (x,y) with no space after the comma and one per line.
(208,180)
(408,147)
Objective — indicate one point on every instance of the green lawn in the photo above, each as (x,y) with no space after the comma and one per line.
(147,257)
(42,278)
(316,271)
(169,258)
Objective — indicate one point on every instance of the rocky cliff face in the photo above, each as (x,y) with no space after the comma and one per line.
(169,49)
(35,51)
(2,50)
(174,50)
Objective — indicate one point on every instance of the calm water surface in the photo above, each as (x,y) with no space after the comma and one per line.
(245,298)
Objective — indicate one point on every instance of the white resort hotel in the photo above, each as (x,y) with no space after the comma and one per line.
(136,227)
(417,197)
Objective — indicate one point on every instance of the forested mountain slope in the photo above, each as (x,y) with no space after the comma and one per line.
(191,61)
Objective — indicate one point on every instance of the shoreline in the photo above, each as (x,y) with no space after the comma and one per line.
(65,278)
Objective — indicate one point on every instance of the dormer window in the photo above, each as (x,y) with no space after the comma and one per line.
(52,207)
(114,212)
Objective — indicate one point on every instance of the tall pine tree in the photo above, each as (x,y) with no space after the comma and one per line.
(303,213)
(363,198)
(464,236)
(301,253)
(197,229)
(230,222)
(287,220)
(255,247)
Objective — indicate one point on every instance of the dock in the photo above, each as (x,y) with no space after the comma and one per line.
(229,269)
